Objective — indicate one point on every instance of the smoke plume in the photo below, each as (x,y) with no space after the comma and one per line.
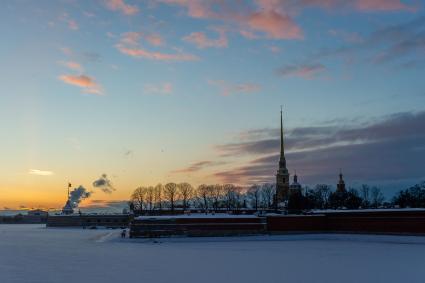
(77,195)
(104,184)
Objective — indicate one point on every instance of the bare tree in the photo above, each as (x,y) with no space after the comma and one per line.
(229,196)
(239,198)
(150,197)
(365,195)
(216,192)
(158,195)
(267,194)
(253,194)
(203,193)
(377,198)
(323,192)
(170,194)
(186,192)
(138,198)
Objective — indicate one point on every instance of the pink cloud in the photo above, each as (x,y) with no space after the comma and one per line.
(164,88)
(87,83)
(347,36)
(248,34)
(73,65)
(202,41)
(154,39)
(274,25)
(133,38)
(67,51)
(273,18)
(130,38)
(120,5)
(198,166)
(227,89)
(129,45)
(143,53)
(72,24)
(294,7)
(306,71)
(272,22)
(274,49)
(383,5)
(195,8)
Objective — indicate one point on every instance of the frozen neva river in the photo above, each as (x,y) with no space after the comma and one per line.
(33,253)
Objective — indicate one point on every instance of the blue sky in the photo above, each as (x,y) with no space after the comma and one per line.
(157,91)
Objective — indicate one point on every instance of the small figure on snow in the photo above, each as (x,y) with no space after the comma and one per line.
(123,233)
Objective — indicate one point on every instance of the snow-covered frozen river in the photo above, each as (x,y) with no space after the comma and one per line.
(33,253)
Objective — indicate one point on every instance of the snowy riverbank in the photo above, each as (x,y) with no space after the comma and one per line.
(32,253)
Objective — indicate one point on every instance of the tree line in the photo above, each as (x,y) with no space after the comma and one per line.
(216,197)
(229,197)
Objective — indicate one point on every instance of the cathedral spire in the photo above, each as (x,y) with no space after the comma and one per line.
(282,176)
(282,160)
(282,153)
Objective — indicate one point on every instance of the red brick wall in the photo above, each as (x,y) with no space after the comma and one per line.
(399,222)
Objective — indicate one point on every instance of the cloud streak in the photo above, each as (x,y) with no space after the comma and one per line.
(384,149)
(72,65)
(40,172)
(201,40)
(129,45)
(227,89)
(87,83)
(274,19)
(121,6)
(198,166)
(161,89)
(306,71)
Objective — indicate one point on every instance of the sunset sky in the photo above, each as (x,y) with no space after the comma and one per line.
(180,90)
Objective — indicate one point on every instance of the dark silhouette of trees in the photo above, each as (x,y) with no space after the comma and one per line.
(376,197)
(229,197)
(254,194)
(411,197)
(353,200)
(158,196)
(267,195)
(323,193)
(204,194)
(365,195)
(216,192)
(186,192)
(296,201)
(138,199)
(150,197)
(170,194)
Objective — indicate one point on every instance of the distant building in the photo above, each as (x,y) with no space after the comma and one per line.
(282,176)
(68,209)
(37,212)
(295,185)
(340,187)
